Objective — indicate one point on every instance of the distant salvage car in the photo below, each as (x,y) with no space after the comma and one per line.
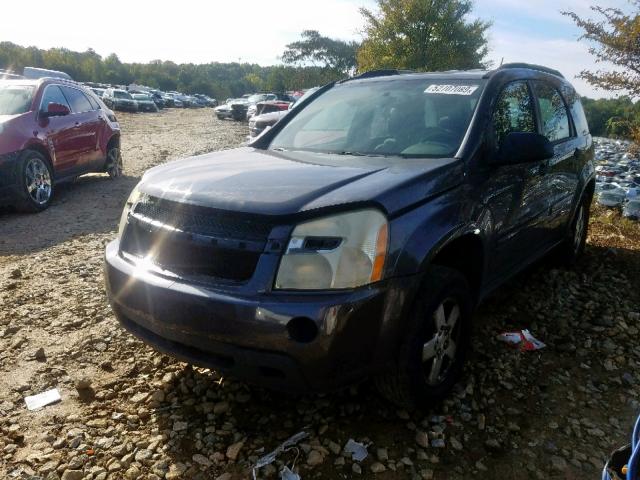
(611,198)
(258,123)
(118,99)
(356,236)
(632,209)
(52,130)
(145,102)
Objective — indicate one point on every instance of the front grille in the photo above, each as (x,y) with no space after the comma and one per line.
(192,240)
(206,221)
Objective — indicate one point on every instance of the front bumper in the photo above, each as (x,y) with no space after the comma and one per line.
(246,336)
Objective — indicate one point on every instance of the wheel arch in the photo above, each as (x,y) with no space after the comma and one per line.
(38,147)
(114,139)
(464,253)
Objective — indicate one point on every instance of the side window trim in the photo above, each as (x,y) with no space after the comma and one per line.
(532,106)
(79,91)
(572,125)
(44,96)
(536,106)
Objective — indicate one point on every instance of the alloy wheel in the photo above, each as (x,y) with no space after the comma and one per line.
(38,180)
(439,352)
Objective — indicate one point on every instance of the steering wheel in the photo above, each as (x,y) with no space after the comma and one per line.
(440,135)
(386,146)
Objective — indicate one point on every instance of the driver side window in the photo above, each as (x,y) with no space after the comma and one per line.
(513,111)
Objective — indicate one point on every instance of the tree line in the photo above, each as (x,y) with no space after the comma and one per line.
(219,80)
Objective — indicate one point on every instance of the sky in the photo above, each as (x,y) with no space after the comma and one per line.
(257,31)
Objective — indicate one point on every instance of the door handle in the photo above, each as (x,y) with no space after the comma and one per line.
(77,124)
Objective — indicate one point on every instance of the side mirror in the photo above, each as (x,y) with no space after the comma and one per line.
(56,110)
(523,147)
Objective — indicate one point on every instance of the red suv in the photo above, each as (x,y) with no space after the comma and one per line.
(52,130)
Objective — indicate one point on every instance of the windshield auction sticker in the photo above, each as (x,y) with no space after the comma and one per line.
(451,89)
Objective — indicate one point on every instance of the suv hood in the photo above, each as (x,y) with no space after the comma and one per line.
(282,183)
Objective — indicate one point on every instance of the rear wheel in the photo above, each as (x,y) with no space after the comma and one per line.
(113,165)
(573,246)
(432,355)
(35,179)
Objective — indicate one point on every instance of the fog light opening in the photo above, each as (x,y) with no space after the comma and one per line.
(302,329)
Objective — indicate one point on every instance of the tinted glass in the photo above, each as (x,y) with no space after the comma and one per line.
(15,99)
(553,112)
(120,94)
(400,117)
(94,103)
(514,111)
(577,112)
(53,94)
(77,100)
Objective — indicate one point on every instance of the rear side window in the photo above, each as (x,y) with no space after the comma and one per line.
(553,112)
(92,101)
(53,94)
(577,112)
(514,111)
(77,100)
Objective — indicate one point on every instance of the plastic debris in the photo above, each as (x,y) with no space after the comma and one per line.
(271,457)
(357,450)
(523,339)
(287,474)
(42,399)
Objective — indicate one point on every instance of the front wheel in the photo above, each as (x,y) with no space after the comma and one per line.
(431,357)
(35,189)
(113,165)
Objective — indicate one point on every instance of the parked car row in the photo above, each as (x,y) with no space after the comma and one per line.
(137,98)
(618,177)
(248,106)
(261,110)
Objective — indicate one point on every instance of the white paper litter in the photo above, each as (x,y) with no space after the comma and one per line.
(270,457)
(357,450)
(41,399)
(287,474)
(523,339)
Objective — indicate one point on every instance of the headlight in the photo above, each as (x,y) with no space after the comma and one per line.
(131,201)
(341,251)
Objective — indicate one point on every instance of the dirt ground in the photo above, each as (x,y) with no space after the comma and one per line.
(554,413)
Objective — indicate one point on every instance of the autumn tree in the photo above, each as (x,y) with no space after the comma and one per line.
(614,38)
(423,35)
(322,51)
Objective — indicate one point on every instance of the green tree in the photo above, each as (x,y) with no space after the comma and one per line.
(423,35)
(615,38)
(324,51)
(221,80)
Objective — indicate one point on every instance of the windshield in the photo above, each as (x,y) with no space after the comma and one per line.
(399,117)
(15,99)
(119,94)
(141,96)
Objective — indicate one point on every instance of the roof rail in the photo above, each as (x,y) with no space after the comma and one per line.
(530,66)
(377,73)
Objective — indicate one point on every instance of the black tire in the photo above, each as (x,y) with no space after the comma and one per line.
(407,383)
(572,248)
(113,164)
(35,182)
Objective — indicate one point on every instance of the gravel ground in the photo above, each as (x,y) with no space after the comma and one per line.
(128,412)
